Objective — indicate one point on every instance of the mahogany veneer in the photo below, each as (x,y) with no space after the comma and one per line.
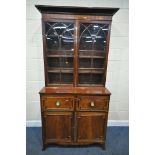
(74,101)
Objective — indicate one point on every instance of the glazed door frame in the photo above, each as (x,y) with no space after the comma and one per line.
(108,22)
(76,19)
(44,21)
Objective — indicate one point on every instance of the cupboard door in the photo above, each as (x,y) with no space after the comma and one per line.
(91,127)
(57,127)
(93,41)
(59,51)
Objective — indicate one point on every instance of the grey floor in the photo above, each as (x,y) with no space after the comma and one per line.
(117,144)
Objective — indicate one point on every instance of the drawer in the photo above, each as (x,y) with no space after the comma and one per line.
(93,103)
(57,103)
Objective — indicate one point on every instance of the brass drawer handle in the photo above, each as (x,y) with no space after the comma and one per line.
(92,104)
(84,17)
(77,99)
(57,103)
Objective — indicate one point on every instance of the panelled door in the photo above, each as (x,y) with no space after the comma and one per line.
(91,126)
(58,127)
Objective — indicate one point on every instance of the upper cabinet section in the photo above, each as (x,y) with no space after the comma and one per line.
(76,45)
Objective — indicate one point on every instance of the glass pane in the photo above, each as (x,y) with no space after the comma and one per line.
(93,36)
(66,62)
(63,78)
(67,78)
(91,53)
(59,35)
(84,78)
(54,78)
(96,79)
(84,63)
(98,63)
(91,63)
(53,62)
(88,78)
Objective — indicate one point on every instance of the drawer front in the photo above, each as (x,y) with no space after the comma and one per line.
(93,103)
(57,103)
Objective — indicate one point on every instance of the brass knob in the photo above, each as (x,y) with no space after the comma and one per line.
(78,99)
(57,103)
(85,17)
(92,104)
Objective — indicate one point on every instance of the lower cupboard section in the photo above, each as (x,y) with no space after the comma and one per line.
(74,127)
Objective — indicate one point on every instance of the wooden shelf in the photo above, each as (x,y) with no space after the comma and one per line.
(58,84)
(93,71)
(62,70)
(102,51)
(85,56)
(71,56)
(58,56)
(59,68)
(61,50)
(88,85)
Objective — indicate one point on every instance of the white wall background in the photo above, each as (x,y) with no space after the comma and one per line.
(117,75)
